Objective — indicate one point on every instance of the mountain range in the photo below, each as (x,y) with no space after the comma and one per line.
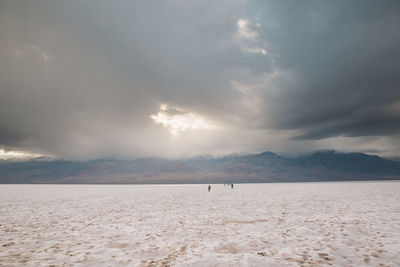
(254,168)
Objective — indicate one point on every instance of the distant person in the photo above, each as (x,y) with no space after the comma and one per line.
(209,188)
(231,186)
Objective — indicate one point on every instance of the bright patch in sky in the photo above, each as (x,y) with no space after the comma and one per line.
(248,38)
(244,31)
(178,120)
(17,155)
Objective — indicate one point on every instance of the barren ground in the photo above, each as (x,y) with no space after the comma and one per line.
(308,224)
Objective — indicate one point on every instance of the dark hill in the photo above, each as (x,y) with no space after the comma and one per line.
(264,167)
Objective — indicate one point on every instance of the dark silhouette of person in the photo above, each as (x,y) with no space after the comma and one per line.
(209,188)
(231,186)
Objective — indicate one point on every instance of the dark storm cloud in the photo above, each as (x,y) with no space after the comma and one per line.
(81,78)
(343,59)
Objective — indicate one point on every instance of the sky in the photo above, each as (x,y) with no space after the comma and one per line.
(129,79)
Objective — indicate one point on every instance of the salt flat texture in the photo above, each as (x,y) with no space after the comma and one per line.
(308,224)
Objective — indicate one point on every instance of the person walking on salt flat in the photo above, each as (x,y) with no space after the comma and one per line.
(209,188)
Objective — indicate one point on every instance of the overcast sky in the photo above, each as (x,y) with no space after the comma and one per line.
(127,79)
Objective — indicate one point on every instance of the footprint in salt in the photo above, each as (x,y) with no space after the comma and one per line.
(325,256)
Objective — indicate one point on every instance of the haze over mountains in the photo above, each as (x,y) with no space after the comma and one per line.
(264,167)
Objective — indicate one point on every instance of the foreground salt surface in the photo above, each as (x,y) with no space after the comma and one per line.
(344,224)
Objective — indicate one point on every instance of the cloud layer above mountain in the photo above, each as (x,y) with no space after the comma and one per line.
(93,79)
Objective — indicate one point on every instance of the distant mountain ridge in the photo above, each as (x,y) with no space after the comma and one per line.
(263,167)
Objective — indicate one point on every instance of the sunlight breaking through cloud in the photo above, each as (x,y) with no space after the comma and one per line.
(178,120)
(5,155)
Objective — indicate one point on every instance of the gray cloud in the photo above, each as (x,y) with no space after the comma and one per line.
(342,59)
(81,79)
